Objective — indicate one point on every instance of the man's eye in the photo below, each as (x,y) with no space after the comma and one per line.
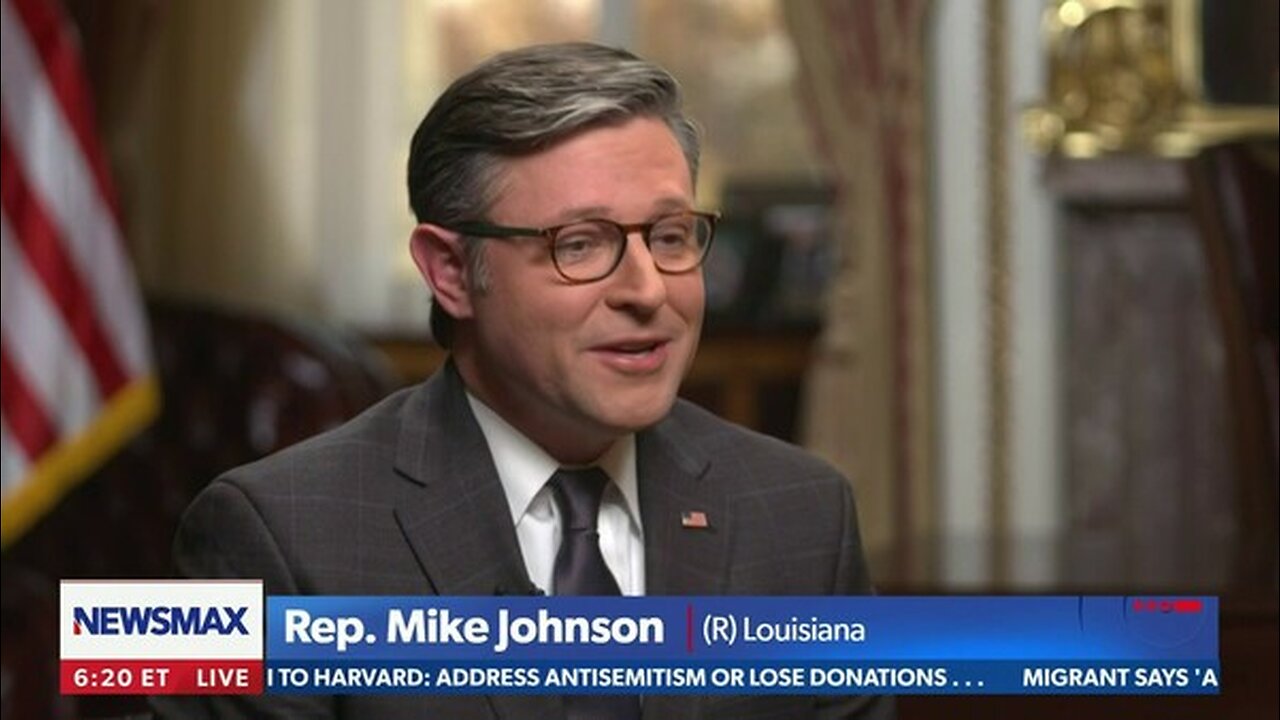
(578,247)
(672,238)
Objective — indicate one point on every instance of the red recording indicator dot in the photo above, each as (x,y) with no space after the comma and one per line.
(1165,606)
(1187,606)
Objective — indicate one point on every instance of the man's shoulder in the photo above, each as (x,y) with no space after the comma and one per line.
(360,447)
(316,517)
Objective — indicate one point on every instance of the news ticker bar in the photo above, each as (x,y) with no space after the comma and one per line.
(1003,677)
(220,637)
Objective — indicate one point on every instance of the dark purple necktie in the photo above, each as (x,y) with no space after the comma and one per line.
(580,570)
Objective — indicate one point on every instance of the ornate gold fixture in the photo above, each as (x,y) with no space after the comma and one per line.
(1125,76)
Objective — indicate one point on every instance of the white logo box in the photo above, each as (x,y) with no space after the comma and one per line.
(182,594)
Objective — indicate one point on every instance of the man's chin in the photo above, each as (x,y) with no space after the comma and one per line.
(629,413)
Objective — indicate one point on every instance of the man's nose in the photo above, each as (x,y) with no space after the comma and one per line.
(637,282)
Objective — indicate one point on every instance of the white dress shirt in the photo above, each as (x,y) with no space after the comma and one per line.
(524,469)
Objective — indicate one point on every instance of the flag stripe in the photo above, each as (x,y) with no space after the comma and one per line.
(57,171)
(39,345)
(23,414)
(61,60)
(45,254)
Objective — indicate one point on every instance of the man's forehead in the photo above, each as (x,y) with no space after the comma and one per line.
(578,174)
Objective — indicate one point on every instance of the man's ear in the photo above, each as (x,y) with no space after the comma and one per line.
(441,261)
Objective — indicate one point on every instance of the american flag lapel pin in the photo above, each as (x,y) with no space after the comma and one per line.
(694,519)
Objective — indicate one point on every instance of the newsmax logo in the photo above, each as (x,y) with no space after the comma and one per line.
(200,637)
(170,619)
(159,620)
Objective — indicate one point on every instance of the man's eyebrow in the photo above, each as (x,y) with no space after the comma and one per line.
(669,204)
(580,213)
(662,206)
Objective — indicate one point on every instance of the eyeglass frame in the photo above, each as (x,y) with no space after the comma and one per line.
(479,229)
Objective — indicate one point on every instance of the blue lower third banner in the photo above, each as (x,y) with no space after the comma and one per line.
(742,645)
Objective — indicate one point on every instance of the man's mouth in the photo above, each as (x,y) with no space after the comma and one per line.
(634,356)
(634,348)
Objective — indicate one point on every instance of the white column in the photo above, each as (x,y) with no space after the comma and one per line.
(957,126)
(958,230)
(1036,493)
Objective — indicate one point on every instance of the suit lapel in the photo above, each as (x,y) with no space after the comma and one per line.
(457,521)
(682,557)
(685,553)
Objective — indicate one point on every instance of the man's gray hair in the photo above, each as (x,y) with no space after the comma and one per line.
(520,102)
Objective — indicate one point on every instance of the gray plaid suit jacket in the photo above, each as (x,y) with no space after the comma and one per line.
(405,500)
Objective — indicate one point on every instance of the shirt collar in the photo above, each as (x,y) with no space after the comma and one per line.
(524,467)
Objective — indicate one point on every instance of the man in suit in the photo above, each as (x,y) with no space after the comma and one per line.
(554,191)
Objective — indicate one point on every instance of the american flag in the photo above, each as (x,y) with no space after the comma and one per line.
(695,519)
(74,355)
